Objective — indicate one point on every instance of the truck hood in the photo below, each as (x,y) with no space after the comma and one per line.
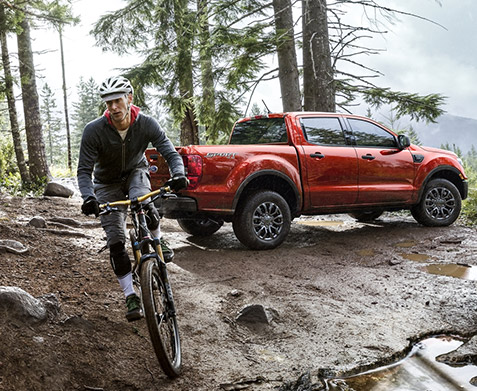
(437,150)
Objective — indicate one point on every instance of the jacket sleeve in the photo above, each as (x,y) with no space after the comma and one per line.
(164,146)
(87,158)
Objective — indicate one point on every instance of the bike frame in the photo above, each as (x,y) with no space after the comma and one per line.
(143,240)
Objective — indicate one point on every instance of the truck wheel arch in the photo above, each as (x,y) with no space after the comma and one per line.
(270,180)
(450,173)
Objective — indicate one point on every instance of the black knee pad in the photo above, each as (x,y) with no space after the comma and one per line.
(119,259)
(152,217)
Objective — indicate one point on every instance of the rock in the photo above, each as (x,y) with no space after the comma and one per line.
(38,222)
(55,189)
(466,354)
(254,314)
(235,293)
(78,322)
(12,246)
(51,304)
(16,304)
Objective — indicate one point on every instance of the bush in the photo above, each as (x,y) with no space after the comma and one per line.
(469,206)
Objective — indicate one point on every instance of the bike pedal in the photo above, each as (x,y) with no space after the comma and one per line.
(133,316)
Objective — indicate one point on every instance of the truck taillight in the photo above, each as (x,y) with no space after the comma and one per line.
(193,167)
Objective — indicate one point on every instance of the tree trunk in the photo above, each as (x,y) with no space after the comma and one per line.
(184,36)
(207,75)
(65,99)
(31,107)
(287,63)
(12,111)
(318,85)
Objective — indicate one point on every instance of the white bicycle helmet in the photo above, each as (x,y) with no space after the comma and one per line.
(115,87)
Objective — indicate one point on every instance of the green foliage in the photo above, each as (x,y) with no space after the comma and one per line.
(417,107)
(469,206)
(170,36)
(89,107)
(7,156)
(10,181)
(55,138)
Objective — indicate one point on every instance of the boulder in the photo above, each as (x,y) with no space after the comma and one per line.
(55,189)
(254,314)
(16,304)
(38,222)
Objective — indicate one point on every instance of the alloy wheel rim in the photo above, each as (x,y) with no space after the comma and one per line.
(440,203)
(267,221)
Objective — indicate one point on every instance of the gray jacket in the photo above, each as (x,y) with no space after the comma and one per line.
(104,153)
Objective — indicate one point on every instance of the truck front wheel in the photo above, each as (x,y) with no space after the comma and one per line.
(200,227)
(440,204)
(262,221)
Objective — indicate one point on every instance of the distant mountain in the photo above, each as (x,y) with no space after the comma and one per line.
(450,129)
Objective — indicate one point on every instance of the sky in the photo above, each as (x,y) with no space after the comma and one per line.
(417,56)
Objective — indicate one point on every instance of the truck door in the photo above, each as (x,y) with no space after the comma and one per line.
(386,173)
(330,169)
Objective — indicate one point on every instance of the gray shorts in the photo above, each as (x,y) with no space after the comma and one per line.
(114,224)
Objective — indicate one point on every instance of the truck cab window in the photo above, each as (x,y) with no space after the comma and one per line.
(323,131)
(260,131)
(368,134)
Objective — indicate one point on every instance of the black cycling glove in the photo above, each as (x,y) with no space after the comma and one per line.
(177,183)
(90,206)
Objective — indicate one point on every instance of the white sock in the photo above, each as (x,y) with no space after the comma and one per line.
(126,283)
(156,233)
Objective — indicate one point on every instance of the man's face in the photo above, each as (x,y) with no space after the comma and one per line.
(118,108)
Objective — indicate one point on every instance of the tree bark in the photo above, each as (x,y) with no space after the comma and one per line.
(184,36)
(207,74)
(12,111)
(65,99)
(287,62)
(318,85)
(31,107)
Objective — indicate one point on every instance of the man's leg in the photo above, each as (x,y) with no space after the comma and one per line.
(114,225)
(138,185)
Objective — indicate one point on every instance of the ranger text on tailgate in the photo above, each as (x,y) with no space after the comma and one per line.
(280,166)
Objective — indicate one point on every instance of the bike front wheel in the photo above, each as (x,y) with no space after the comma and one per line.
(161,319)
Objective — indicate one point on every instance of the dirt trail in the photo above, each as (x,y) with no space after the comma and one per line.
(343,296)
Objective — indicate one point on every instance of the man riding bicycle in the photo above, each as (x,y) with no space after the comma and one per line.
(112,166)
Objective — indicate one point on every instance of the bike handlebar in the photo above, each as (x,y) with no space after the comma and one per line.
(161,191)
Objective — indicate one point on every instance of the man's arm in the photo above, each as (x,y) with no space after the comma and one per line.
(164,146)
(87,158)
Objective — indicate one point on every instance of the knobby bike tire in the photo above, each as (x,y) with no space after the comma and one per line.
(163,328)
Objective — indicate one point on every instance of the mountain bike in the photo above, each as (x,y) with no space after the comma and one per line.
(151,281)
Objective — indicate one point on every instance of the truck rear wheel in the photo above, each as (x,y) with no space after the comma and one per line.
(200,227)
(262,221)
(440,204)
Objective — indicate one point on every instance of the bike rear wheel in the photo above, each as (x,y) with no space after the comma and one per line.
(161,319)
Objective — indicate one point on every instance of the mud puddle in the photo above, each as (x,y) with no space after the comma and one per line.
(456,270)
(321,223)
(419,371)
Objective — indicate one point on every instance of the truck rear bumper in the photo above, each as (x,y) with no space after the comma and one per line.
(176,207)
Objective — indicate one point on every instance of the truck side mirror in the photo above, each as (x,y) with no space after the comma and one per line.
(403,141)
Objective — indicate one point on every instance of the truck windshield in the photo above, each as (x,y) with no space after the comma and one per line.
(260,131)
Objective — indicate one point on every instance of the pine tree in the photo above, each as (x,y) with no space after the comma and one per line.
(85,110)
(287,62)
(9,93)
(52,129)
(39,171)
(181,39)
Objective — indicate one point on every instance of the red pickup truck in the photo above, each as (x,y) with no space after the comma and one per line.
(280,166)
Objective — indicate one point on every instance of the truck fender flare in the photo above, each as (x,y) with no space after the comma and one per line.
(431,175)
(275,173)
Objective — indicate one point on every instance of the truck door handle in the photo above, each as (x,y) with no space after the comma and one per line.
(318,155)
(368,157)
